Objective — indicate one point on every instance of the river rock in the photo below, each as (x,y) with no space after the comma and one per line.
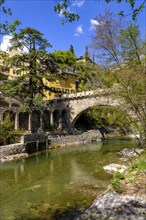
(117,207)
(133,152)
(112,168)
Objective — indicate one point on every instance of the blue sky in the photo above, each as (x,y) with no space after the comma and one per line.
(39,14)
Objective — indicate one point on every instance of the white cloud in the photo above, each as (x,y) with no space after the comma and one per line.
(5,44)
(79,31)
(61,13)
(78,3)
(93,24)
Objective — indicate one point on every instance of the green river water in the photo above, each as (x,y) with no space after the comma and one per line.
(56,182)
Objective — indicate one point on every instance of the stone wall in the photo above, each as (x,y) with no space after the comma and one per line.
(11,149)
(37,142)
(93,135)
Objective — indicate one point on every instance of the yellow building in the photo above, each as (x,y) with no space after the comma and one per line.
(63,82)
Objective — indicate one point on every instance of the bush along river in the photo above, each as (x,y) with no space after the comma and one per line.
(58,183)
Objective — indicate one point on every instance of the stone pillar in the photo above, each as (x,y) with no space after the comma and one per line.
(29,122)
(51,119)
(1,117)
(60,122)
(41,122)
(16,121)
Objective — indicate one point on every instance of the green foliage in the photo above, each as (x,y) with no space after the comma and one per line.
(138,164)
(72,49)
(64,5)
(31,67)
(64,59)
(131,44)
(6,27)
(62,8)
(111,117)
(7,133)
(116,180)
(88,76)
(87,57)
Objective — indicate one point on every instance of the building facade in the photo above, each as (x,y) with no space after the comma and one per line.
(62,82)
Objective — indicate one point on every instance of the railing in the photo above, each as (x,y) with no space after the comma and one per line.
(83,94)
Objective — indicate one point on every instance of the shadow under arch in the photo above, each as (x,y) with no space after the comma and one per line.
(65,119)
(46,120)
(14,104)
(23,120)
(56,118)
(74,120)
(35,121)
(4,103)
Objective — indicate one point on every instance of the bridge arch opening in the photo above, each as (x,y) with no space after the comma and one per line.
(46,120)
(23,120)
(56,118)
(35,121)
(104,117)
(9,115)
(4,104)
(65,119)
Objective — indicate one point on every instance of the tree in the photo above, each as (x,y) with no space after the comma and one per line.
(72,49)
(7,133)
(88,76)
(105,40)
(87,54)
(31,67)
(125,63)
(6,27)
(63,8)
(131,44)
(64,59)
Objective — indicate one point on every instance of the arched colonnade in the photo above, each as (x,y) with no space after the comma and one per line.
(36,119)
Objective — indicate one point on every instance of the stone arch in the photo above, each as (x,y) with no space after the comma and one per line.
(65,119)
(10,115)
(46,119)
(35,121)
(56,118)
(4,103)
(23,120)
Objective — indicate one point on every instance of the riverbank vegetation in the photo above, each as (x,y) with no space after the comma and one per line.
(132,181)
(7,133)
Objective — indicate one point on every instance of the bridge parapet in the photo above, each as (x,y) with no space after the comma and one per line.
(85,94)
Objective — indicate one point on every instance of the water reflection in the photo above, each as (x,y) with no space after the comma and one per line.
(69,175)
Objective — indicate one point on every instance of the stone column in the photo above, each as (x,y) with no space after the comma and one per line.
(16,121)
(51,119)
(41,122)
(1,117)
(29,122)
(60,122)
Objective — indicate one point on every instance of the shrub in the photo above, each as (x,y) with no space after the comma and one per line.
(7,133)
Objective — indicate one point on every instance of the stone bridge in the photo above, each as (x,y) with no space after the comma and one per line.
(60,113)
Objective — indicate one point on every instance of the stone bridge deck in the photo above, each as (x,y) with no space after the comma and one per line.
(58,113)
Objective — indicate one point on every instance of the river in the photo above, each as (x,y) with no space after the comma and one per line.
(53,183)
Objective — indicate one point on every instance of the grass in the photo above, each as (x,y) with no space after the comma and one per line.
(133,176)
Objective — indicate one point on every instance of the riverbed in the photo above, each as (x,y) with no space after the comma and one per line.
(57,183)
